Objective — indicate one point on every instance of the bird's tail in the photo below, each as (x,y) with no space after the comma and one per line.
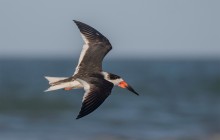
(53,80)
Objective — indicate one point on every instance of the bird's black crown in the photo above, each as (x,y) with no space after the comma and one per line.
(113,76)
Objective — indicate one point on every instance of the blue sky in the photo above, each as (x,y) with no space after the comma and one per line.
(136,29)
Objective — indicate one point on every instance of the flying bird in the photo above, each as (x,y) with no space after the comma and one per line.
(89,74)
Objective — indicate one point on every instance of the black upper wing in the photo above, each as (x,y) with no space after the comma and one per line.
(95,48)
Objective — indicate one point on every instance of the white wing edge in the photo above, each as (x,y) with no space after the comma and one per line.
(82,54)
(86,87)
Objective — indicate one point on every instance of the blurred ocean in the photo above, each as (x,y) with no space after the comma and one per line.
(179,100)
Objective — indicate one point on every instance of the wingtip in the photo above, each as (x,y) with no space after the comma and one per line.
(78,117)
(76,21)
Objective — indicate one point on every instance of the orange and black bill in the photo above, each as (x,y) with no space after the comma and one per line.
(123,84)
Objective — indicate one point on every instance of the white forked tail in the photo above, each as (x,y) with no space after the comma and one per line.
(54,79)
(72,84)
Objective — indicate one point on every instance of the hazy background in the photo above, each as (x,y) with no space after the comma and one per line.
(169,51)
(142,28)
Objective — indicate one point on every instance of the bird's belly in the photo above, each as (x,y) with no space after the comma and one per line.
(74,85)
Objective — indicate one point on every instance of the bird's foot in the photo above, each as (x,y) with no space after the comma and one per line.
(68,88)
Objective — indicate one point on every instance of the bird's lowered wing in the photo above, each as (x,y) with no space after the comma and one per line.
(96,91)
(94,50)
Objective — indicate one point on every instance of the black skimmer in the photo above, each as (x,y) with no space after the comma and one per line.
(89,74)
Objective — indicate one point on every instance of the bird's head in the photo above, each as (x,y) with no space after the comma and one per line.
(118,81)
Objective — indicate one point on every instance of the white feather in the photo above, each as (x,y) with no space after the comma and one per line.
(86,87)
(84,38)
(54,79)
(83,52)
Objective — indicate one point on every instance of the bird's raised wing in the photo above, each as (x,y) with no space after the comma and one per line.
(96,91)
(94,50)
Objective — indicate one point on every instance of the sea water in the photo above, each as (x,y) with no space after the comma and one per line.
(179,99)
